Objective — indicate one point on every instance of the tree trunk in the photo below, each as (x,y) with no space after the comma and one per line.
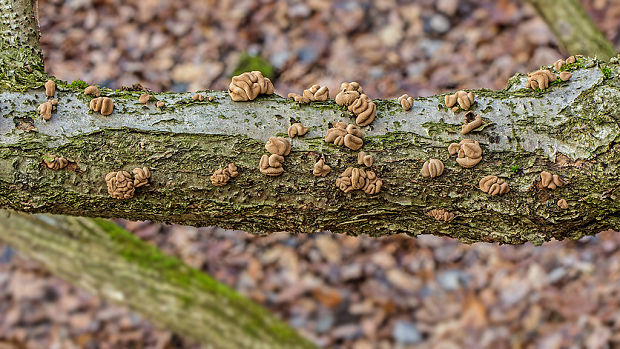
(104,259)
(574,28)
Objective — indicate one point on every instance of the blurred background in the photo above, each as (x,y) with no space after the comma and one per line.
(338,291)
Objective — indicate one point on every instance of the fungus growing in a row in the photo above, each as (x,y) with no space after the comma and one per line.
(144,98)
(297,129)
(104,105)
(469,152)
(463,98)
(92,90)
(560,62)
(540,79)
(440,214)
(563,204)
(50,88)
(321,169)
(565,75)
(349,136)
(550,181)
(493,185)
(432,168)
(54,162)
(472,122)
(356,178)
(221,176)
(352,96)
(249,85)
(141,176)
(160,104)
(364,159)
(406,102)
(46,109)
(120,185)
(271,165)
(312,94)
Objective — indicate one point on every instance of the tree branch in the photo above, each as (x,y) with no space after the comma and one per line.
(571,130)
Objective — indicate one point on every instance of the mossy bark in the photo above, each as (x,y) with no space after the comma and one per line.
(104,259)
(574,28)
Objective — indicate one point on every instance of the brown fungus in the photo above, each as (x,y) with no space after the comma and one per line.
(463,98)
(540,79)
(440,214)
(160,104)
(349,93)
(104,105)
(50,88)
(493,185)
(141,176)
(406,102)
(144,98)
(92,91)
(336,133)
(299,98)
(198,97)
(312,94)
(550,181)
(120,185)
(559,64)
(278,145)
(432,168)
(249,85)
(565,75)
(472,122)
(563,204)
(354,178)
(270,165)
(297,129)
(46,109)
(221,176)
(364,109)
(54,162)
(321,169)
(364,159)
(469,152)
(353,139)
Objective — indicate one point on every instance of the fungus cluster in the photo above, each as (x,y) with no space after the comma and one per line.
(469,152)
(92,91)
(144,98)
(121,186)
(463,98)
(50,88)
(432,168)
(357,178)
(364,159)
(550,181)
(560,62)
(312,94)
(540,79)
(141,176)
(198,97)
(349,136)
(54,162)
(493,185)
(321,169)
(406,102)
(472,122)
(46,109)
(103,105)
(352,96)
(440,214)
(271,165)
(248,86)
(221,176)
(297,129)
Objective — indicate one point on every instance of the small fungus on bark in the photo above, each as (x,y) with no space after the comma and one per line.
(221,176)
(406,102)
(144,98)
(355,178)
(364,159)
(540,79)
(440,214)
(46,109)
(92,91)
(493,185)
(432,168)
(469,152)
(141,176)
(563,204)
(249,85)
(314,93)
(54,162)
(463,98)
(50,88)
(120,185)
(297,129)
(321,169)
(472,122)
(550,181)
(104,105)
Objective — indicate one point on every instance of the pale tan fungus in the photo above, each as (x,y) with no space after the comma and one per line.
(45,109)
(317,93)
(50,88)
(92,91)
(221,176)
(364,159)
(120,185)
(353,138)
(321,169)
(249,85)
(563,204)
(349,93)
(463,98)
(278,145)
(406,102)
(198,97)
(493,185)
(571,59)
(266,169)
(336,133)
(144,98)
(472,122)
(364,109)
(565,75)
(141,177)
(559,64)
(160,104)
(540,79)
(297,129)
(232,170)
(440,214)
(104,105)
(354,178)
(57,162)
(299,98)
(550,181)
(469,152)
(432,168)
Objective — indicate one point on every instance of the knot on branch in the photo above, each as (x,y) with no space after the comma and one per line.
(221,176)
(550,181)
(432,168)
(144,98)
(46,109)
(103,105)
(364,159)
(355,178)
(54,162)
(141,176)
(92,91)
(472,122)
(349,136)
(297,129)
(540,79)
(50,88)
(493,185)
(469,152)
(249,85)
(463,98)
(321,169)
(440,214)
(406,102)
(120,185)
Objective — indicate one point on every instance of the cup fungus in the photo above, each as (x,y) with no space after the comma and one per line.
(92,91)
(472,122)
(565,75)
(350,136)
(469,152)
(406,102)
(321,169)
(549,181)
(297,129)
(104,105)
(45,109)
(144,98)
(50,88)
(314,93)
(493,185)
(354,178)
(54,162)
(266,162)
(363,159)
(432,168)
(349,92)
(120,185)
(160,104)
(563,204)
(463,98)
(364,109)
(540,79)
(336,133)
(278,145)
(249,85)
(441,214)
(221,176)
(141,177)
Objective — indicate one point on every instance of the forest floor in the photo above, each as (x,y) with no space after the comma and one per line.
(339,291)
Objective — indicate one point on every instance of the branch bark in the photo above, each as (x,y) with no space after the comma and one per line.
(104,259)
(574,28)
(572,130)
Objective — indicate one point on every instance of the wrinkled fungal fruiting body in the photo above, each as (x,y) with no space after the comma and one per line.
(357,178)
(432,168)
(364,109)
(321,169)
(469,152)
(120,185)
(364,159)
(46,109)
(141,177)
(271,165)
(550,181)
(198,97)
(103,105)
(464,99)
(144,98)
(248,86)
(565,75)
(54,162)
(221,176)
(440,214)
(92,91)
(472,122)
(296,129)
(349,136)
(278,145)
(406,102)
(563,204)
(349,92)
(50,88)
(312,94)
(160,104)
(493,185)
(540,79)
